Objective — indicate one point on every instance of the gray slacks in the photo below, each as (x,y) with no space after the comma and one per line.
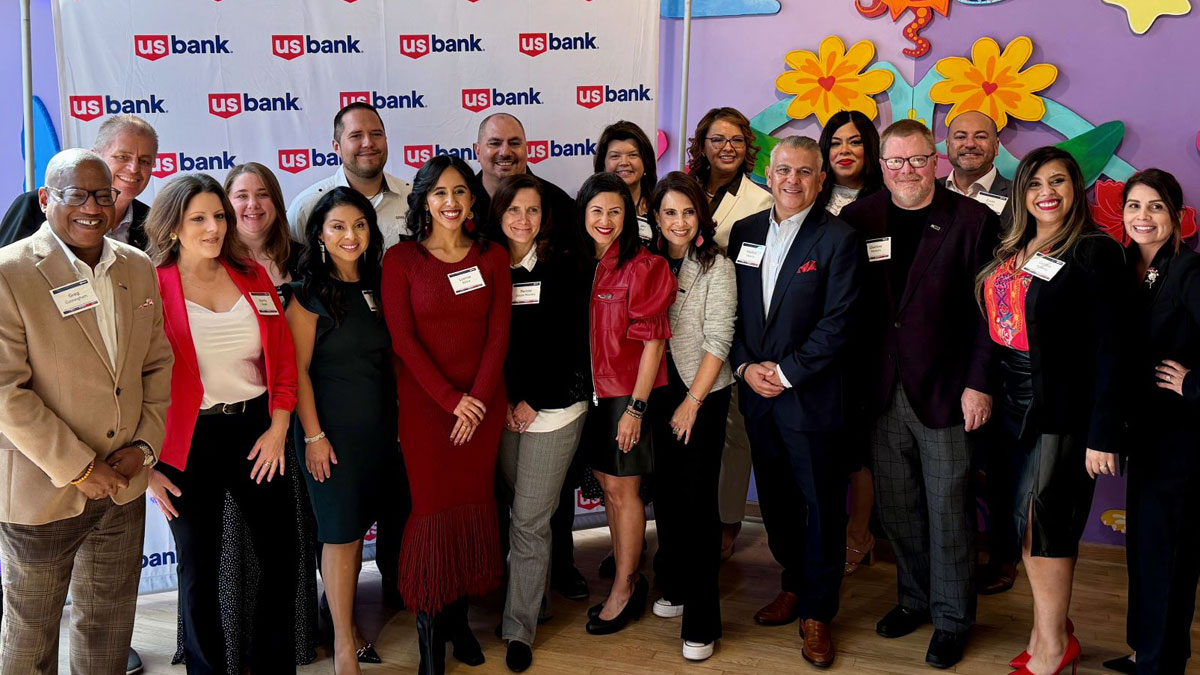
(534,465)
(97,556)
(922,490)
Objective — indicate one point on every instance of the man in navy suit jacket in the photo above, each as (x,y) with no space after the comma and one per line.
(798,278)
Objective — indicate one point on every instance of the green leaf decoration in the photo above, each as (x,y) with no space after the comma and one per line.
(765,142)
(1093,149)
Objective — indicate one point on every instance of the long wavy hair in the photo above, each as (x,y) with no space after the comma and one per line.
(705,246)
(872,174)
(317,271)
(166,216)
(419,220)
(278,245)
(1169,192)
(698,165)
(628,131)
(1077,223)
(628,241)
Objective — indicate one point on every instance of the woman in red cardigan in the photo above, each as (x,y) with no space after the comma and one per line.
(233,388)
(447,298)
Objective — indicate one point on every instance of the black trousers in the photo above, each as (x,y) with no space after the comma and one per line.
(1163,549)
(389,528)
(802,479)
(686,507)
(217,463)
(1000,467)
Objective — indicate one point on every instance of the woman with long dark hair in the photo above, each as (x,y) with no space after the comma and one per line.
(345,430)
(447,299)
(1055,297)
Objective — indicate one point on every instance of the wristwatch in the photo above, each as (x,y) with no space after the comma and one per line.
(639,407)
(146,450)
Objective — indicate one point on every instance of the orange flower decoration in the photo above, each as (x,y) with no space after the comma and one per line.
(832,81)
(993,83)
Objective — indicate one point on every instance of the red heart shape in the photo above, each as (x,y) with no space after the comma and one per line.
(989,88)
(826,83)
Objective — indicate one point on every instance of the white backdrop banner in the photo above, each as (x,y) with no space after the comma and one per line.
(231,81)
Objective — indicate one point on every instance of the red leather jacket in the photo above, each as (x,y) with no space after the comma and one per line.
(628,306)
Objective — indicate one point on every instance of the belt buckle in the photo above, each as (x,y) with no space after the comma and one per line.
(230,408)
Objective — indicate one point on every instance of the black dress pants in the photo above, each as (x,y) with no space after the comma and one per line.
(686,507)
(217,463)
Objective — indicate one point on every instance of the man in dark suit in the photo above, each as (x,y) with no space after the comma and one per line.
(129,146)
(798,280)
(926,357)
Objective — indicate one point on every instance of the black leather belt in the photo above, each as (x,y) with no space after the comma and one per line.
(225,409)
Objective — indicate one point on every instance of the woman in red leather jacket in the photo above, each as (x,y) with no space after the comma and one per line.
(628,328)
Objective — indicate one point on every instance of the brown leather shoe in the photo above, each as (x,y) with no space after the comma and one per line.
(997,578)
(782,610)
(818,643)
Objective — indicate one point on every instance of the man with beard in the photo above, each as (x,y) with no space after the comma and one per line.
(361,142)
(972,143)
(925,359)
(502,151)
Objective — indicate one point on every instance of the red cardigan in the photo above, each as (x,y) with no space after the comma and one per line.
(187,391)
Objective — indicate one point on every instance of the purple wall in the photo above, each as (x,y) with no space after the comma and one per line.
(45,85)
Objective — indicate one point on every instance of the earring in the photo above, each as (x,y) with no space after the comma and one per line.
(322,245)
(470,215)
(173,237)
(699,240)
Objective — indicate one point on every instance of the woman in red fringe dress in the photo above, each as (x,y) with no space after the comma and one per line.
(447,298)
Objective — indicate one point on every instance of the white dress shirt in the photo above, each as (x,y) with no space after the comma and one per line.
(101,281)
(984,184)
(779,241)
(391,206)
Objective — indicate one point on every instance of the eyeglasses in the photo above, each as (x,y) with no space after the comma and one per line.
(73,196)
(718,142)
(916,161)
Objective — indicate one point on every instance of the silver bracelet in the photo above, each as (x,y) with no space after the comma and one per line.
(314,439)
(698,401)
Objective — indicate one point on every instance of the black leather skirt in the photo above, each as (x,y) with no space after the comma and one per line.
(599,443)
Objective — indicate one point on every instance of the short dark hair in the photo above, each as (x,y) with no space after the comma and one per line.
(624,130)
(872,174)
(677,181)
(357,105)
(425,180)
(316,270)
(628,241)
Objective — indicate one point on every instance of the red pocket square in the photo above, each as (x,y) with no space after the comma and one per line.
(810,266)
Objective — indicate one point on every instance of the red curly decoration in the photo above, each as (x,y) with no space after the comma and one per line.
(922,12)
(872,11)
(913,33)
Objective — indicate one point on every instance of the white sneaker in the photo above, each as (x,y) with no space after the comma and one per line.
(697,651)
(666,610)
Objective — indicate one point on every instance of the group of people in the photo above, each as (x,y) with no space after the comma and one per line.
(451,358)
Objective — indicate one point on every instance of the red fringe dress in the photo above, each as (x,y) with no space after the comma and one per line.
(447,345)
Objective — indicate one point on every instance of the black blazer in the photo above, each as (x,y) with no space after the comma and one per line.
(810,321)
(1077,326)
(1166,326)
(936,338)
(25,216)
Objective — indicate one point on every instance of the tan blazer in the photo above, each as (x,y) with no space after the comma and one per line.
(749,200)
(61,403)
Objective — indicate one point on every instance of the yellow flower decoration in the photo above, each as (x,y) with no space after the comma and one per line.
(993,83)
(832,82)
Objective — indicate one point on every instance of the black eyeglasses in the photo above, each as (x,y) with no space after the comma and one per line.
(718,142)
(73,196)
(916,161)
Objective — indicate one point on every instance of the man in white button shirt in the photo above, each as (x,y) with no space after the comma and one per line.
(798,270)
(360,141)
(971,144)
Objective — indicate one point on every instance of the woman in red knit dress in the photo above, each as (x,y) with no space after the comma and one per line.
(447,298)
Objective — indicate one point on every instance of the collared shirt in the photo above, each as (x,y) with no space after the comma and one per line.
(101,281)
(779,241)
(984,184)
(391,205)
(121,231)
(529,261)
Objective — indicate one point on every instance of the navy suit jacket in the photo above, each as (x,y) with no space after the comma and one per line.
(809,323)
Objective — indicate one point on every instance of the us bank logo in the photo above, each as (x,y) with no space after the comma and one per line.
(88,108)
(539,151)
(295,160)
(167,163)
(477,100)
(155,47)
(535,44)
(288,47)
(590,96)
(415,46)
(230,104)
(383,100)
(416,155)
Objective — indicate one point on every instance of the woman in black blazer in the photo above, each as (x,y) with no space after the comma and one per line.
(1055,298)
(1163,492)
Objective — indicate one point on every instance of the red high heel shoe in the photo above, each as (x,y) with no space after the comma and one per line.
(1070,656)
(1023,658)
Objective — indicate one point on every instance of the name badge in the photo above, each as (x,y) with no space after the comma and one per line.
(465,281)
(264,304)
(370,298)
(993,202)
(644,230)
(751,254)
(75,297)
(1043,266)
(879,249)
(527,293)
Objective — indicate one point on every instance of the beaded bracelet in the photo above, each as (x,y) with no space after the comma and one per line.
(86,474)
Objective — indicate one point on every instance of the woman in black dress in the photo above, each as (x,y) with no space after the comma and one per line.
(345,435)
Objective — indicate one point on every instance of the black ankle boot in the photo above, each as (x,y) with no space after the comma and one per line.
(431,645)
(458,631)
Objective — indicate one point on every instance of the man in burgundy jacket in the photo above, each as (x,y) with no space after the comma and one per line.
(925,356)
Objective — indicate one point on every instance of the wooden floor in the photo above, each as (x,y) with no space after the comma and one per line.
(749,580)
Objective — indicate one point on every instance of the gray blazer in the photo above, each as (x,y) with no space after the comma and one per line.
(702,318)
(1001,187)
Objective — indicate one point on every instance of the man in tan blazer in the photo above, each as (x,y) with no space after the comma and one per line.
(85,372)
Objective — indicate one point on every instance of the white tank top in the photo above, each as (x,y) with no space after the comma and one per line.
(229,352)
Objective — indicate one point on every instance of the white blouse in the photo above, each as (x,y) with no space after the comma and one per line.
(229,352)
(840,198)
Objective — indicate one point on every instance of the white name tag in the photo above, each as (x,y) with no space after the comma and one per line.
(527,293)
(465,281)
(993,202)
(370,298)
(1043,266)
(879,249)
(644,230)
(264,304)
(75,297)
(751,254)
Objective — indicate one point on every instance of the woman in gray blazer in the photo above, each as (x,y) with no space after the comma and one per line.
(689,426)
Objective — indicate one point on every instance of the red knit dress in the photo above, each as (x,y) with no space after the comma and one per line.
(448,345)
